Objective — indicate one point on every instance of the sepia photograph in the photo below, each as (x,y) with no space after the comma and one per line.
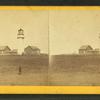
(75,47)
(23,47)
(49,47)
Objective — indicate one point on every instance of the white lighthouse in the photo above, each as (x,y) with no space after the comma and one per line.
(20,38)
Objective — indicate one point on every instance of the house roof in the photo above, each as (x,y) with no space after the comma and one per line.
(20,29)
(33,47)
(84,47)
(4,47)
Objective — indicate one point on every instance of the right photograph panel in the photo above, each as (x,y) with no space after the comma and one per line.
(74,47)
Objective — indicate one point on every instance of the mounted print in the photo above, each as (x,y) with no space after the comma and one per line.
(49,50)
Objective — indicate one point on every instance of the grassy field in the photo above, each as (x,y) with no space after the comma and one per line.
(34,70)
(63,70)
(75,70)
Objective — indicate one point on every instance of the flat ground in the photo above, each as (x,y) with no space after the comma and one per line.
(63,70)
(75,70)
(24,70)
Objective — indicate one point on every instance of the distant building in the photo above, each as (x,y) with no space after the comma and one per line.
(85,49)
(93,52)
(31,50)
(88,50)
(13,52)
(4,50)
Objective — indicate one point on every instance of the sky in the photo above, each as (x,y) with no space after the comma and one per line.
(34,23)
(68,29)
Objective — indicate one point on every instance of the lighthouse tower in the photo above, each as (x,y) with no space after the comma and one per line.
(20,38)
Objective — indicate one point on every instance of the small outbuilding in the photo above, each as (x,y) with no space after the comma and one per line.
(85,49)
(13,52)
(31,50)
(5,50)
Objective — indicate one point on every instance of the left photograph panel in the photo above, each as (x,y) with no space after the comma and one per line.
(24,57)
